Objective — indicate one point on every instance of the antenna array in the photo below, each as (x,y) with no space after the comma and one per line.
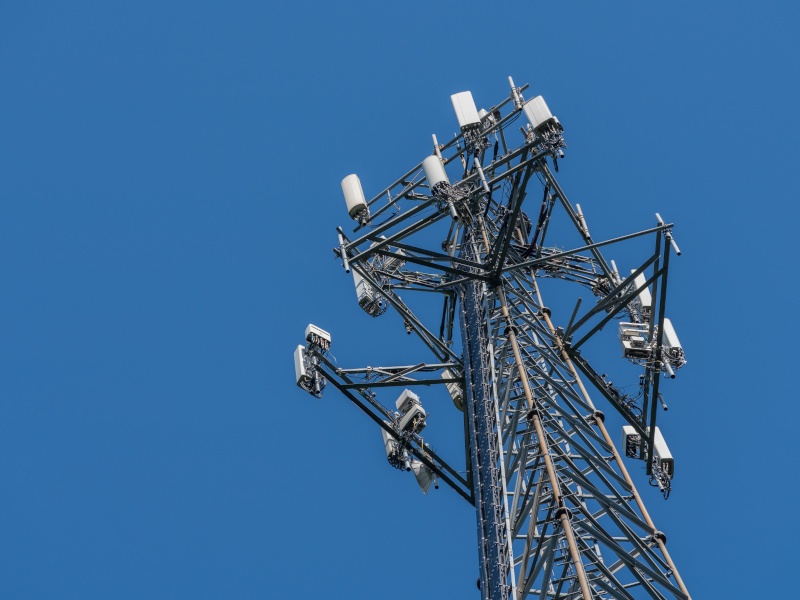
(558,513)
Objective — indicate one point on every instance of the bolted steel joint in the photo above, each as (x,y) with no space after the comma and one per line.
(562,512)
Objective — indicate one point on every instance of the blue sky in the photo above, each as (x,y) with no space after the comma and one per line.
(169,192)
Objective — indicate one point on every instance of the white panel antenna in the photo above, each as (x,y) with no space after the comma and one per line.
(522,378)
(644,297)
(300,373)
(316,336)
(466,112)
(538,114)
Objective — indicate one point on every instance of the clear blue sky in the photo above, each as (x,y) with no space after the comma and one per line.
(169,192)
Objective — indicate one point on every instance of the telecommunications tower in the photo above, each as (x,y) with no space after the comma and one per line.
(558,513)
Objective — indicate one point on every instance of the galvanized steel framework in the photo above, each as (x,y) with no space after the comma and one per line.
(558,514)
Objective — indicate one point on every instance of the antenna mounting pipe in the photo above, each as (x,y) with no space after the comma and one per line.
(515,93)
(669,235)
(343,252)
(485,185)
(453,212)
(582,220)
(669,370)
(673,244)
(436,147)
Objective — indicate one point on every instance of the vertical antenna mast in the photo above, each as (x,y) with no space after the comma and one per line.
(558,513)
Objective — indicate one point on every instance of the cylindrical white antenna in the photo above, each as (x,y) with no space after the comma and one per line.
(434,171)
(354,196)
(466,112)
(537,112)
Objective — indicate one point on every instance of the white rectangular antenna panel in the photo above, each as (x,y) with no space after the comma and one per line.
(537,112)
(631,441)
(300,365)
(663,454)
(313,330)
(670,337)
(645,299)
(413,414)
(633,337)
(406,400)
(389,443)
(413,419)
(363,289)
(466,112)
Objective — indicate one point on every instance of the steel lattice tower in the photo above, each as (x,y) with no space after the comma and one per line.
(557,511)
